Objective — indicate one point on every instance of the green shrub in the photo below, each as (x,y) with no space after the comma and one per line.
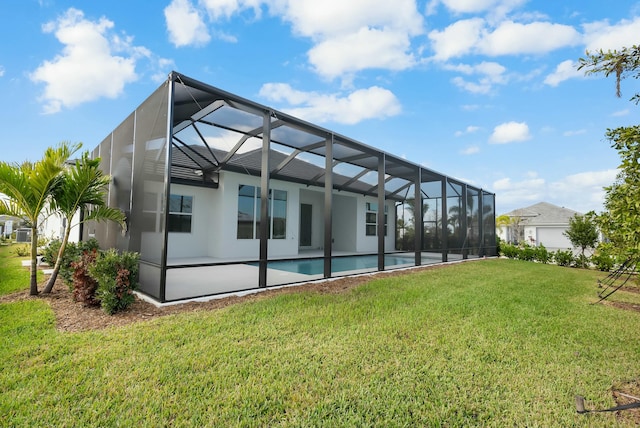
(117,277)
(72,252)
(50,252)
(542,255)
(22,250)
(527,253)
(509,250)
(84,286)
(563,258)
(603,258)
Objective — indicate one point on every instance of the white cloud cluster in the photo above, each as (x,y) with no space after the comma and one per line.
(477,36)
(1,71)
(471,150)
(602,35)
(565,70)
(597,36)
(582,192)
(468,130)
(347,36)
(374,102)
(489,74)
(94,63)
(510,132)
(185,24)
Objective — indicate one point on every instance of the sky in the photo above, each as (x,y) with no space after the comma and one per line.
(486,91)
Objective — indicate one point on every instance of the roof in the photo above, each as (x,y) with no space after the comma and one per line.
(543,213)
(214,131)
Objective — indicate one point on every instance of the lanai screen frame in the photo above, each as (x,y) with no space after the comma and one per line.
(147,140)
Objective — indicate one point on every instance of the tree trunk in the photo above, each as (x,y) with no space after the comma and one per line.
(33,290)
(56,267)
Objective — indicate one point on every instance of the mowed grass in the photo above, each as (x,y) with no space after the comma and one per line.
(483,343)
(13,277)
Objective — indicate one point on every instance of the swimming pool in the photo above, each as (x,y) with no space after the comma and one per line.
(339,264)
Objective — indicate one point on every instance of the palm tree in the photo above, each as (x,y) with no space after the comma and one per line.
(29,186)
(81,187)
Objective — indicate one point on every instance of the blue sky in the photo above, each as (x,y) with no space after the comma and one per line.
(483,90)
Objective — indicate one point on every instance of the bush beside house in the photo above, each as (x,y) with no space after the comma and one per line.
(106,278)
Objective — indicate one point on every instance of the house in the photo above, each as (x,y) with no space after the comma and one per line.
(223,194)
(52,227)
(541,223)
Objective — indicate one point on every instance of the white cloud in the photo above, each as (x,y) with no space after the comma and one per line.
(185,24)
(602,35)
(88,67)
(517,194)
(564,71)
(218,9)
(1,71)
(512,38)
(510,132)
(322,20)
(470,150)
(457,39)
(468,130)
(574,133)
(491,73)
(494,7)
(347,36)
(620,113)
(582,192)
(371,103)
(474,36)
(366,48)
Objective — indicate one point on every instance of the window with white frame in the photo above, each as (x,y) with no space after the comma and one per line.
(371,219)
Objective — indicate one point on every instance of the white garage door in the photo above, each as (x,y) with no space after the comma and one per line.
(552,237)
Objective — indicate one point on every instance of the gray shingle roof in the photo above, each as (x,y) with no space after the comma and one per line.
(543,213)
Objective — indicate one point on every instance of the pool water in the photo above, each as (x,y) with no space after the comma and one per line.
(339,264)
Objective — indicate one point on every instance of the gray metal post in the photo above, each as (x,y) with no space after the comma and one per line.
(381,222)
(264,199)
(167,190)
(464,226)
(328,206)
(418,223)
(444,220)
(481,250)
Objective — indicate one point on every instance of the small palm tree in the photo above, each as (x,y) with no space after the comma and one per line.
(29,187)
(81,187)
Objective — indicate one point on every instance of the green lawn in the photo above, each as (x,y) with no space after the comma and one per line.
(485,343)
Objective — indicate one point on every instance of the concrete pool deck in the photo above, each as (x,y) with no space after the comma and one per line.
(201,283)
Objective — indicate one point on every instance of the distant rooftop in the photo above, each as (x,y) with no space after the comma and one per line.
(543,213)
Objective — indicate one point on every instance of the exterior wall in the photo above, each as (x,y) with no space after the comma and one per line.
(345,223)
(53,228)
(215,222)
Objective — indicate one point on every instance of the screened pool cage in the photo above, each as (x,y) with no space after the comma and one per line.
(223,194)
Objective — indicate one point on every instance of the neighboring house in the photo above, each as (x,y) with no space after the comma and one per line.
(52,227)
(223,195)
(542,223)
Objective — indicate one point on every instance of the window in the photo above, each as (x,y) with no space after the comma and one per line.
(371,219)
(249,213)
(180,213)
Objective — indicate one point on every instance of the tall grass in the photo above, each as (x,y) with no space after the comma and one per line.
(488,343)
